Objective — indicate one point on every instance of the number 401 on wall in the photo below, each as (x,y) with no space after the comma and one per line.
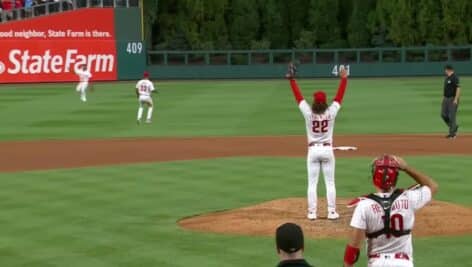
(336,69)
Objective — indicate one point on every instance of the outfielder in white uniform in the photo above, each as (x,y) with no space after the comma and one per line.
(144,89)
(386,217)
(84,76)
(319,120)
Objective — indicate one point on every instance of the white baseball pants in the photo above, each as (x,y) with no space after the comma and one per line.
(321,158)
(82,88)
(386,261)
(145,99)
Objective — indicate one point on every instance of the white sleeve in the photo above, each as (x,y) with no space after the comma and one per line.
(137,85)
(304,108)
(358,219)
(419,196)
(334,108)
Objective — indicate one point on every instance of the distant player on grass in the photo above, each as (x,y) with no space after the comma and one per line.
(84,76)
(144,89)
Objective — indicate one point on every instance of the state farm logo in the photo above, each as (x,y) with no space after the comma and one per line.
(2,67)
(24,62)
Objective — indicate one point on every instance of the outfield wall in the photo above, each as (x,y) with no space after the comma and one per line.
(312,63)
(49,48)
(304,71)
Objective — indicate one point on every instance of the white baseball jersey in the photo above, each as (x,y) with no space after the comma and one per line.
(83,75)
(145,87)
(319,127)
(368,216)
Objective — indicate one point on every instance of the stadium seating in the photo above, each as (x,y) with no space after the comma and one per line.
(23,9)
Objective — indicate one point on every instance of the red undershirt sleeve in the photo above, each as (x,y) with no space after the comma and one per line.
(296,91)
(341,90)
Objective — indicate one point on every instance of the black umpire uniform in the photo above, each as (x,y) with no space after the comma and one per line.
(449,108)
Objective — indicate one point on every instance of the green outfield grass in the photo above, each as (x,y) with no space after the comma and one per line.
(126,215)
(231,108)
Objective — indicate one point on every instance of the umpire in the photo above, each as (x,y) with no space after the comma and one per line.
(452,93)
(290,245)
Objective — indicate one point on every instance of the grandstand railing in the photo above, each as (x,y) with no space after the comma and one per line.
(313,56)
(55,6)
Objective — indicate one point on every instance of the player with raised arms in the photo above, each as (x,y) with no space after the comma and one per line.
(319,121)
(386,217)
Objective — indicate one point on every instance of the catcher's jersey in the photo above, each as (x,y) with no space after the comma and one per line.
(319,127)
(83,75)
(368,216)
(145,87)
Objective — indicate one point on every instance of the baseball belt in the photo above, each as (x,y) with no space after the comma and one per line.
(399,255)
(318,144)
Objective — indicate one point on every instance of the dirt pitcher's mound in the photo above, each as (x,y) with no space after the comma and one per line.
(437,219)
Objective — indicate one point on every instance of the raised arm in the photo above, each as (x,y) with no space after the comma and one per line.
(342,87)
(419,177)
(296,91)
(291,72)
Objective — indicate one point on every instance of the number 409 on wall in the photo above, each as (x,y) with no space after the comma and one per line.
(134,48)
(338,67)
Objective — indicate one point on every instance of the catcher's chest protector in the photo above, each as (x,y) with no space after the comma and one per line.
(386,204)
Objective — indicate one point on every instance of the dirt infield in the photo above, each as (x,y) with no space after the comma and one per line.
(263,219)
(41,155)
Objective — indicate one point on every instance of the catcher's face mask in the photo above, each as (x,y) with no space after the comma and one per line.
(385,172)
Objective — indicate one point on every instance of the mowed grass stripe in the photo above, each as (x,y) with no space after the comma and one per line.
(226,107)
(126,215)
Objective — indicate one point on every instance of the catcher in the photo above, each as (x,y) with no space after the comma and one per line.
(386,217)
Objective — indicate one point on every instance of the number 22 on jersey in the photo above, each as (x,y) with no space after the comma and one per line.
(320,126)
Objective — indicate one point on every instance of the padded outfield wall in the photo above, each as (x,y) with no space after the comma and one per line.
(312,63)
(48,49)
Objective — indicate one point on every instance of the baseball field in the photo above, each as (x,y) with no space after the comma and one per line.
(220,166)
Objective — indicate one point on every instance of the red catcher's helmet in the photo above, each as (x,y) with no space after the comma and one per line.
(385,172)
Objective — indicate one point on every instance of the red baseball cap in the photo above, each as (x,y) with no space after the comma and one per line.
(146,74)
(319,97)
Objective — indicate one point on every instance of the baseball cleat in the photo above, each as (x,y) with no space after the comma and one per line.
(148,121)
(333,215)
(138,122)
(311,216)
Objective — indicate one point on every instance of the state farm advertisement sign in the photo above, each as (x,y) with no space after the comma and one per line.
(49,49)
